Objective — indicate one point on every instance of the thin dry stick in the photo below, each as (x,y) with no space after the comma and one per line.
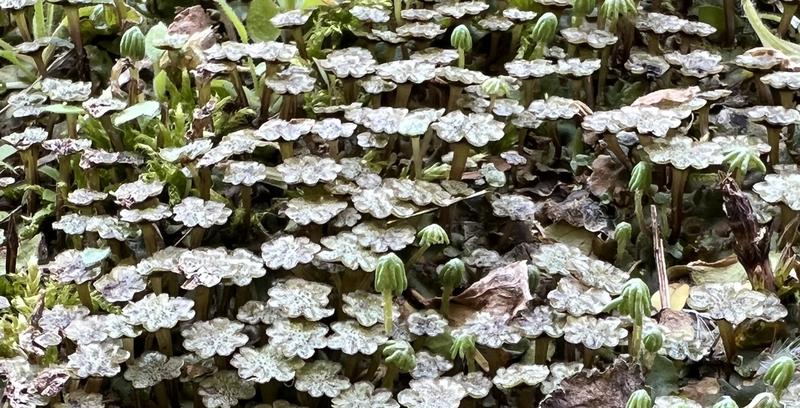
(658,252)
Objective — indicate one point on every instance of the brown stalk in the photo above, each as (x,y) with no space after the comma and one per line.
(751,240)
(661,265)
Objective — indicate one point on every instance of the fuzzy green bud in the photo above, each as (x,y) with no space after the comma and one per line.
(622,233)
(545,28)
(131,45)
(725,402)
(533,278)
(764,400)
(436,172)
(582,8)
(431,235)
(461,38)
(463,347)
(496,87)
(452,273)
(639,399)
(653,340)
(611,10)
(779,374)
(634,300)
(641,177)
(400,354)
(390,275)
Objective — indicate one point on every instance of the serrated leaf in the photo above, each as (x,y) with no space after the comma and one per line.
(146,109)
(258,24)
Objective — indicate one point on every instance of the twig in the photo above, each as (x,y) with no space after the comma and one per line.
(658,252)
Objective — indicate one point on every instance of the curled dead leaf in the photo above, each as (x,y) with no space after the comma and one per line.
(504,290)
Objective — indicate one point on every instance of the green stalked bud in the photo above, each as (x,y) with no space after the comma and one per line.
(612,10)
(582,8)
(390,275)
(641,176)
(639,399)
(452,273)
(436,172)
(764,400)
(400,354)
(533,278)
(622,233)
(779,374)
(725,402)
(496,87)
(653,340)
(131,45)
(461,38)
(545,28)
(634,300)
(431,235)
(463,347)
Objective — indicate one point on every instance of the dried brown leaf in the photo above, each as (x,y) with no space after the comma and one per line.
(504,290)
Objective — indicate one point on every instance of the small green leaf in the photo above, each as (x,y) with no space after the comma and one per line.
(92,256)
(6,151)
(258,24)
(39,27)
(146,109)
(51,172)
(64,109)
(157,32)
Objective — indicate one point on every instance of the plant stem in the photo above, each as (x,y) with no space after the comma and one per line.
(541,344)
(387,311)
(728,337)
(616,149)
(164,339)
(84,295)
(679,178)
(460,153)
(461,58)
(74,23)
(729,7)
(94,385)
(789,10)
(349,91)
(287,149)
(398,8)
(388,378)
(22,24)
(133,85)
(31,157)
(150,236)
(702,121)
(162,398)
(417,254)
(236,80)
(201,302)
(72,126)
(416,151)
(446,292)
(246,200)
(453,96)
(774,139)
(635,341)
(603,74)
(402,95)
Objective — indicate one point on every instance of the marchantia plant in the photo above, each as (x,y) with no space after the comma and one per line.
(389,203)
